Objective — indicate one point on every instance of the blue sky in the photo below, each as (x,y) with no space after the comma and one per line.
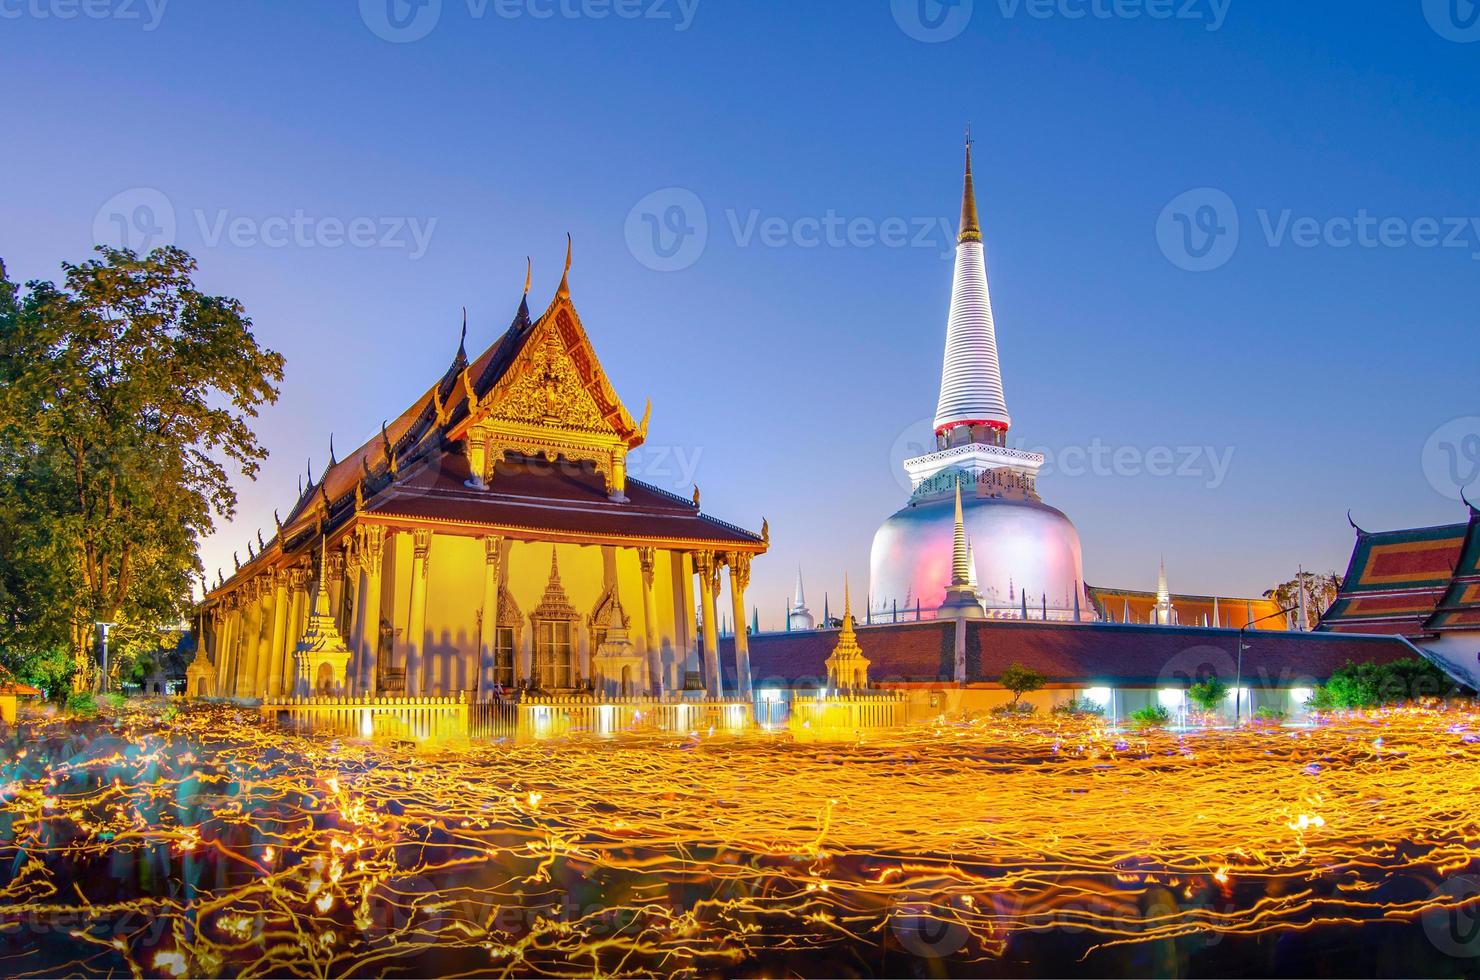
(1327,361)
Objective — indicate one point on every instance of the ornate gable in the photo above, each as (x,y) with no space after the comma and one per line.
(553,401)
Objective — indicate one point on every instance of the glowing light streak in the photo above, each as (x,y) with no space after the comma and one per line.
(212,845)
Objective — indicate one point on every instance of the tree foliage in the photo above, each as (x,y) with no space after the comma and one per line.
(1208,694)
(1020,680)
(126,400)
(1371,685)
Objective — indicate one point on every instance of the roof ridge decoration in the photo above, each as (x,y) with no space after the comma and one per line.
(552,401)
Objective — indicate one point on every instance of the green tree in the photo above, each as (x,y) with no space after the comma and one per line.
(1371,685)
(125,395)
(1020,680)
(1208,694)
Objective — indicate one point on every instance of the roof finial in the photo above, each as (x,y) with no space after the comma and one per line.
(565,277)
(971,230)
(528,273)
(462,342)
(1353,523)
(332,460)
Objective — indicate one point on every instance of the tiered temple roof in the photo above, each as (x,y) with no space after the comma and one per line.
(1397,579)
(1459,608)
(556,435)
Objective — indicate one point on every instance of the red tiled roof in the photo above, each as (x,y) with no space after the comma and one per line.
(1089,653)
(1459,607)
(1395,580)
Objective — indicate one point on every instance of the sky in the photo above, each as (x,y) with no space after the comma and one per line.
(1234,247)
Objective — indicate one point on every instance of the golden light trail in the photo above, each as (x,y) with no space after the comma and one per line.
(211,845)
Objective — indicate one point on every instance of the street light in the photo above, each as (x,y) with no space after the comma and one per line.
(1238,684)
(105,627)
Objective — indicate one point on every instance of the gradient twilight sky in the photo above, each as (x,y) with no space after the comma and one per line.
(792,375)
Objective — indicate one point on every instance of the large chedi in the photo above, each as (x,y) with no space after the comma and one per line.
(1025,554)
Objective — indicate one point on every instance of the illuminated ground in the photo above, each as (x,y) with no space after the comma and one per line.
(209,845)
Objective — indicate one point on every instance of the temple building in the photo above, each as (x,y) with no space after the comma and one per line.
(1421,585)
(1165,608)
(1025,554)
(485,541)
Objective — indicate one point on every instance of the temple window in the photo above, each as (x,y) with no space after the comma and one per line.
(553,654)
(505,640)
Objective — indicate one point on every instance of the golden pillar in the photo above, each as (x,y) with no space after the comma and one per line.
(416,620)
(739,562)
(298,580)
(335,575)
(252,661)
(488,620)
(278,650)
(370,550)
(647,559)
(262,656)
(706,566)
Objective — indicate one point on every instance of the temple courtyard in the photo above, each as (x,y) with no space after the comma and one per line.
(197,840)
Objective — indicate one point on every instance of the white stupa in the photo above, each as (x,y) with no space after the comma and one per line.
(799,617)
(1019,545)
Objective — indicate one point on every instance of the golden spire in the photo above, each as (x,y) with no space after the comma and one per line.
(847,667)
(528,273)
(971,229)
(960,560)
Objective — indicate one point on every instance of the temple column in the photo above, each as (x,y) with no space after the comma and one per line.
(262,652)
(488,622)
(739,562)
(335,576)
(366,646)
(223,638)
(707,569)
(416,619)
(647,559)
(238,643)
(352,614)
(477,452)
(279,641)
(298,580)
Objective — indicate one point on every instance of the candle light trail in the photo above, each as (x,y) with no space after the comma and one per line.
(214,845)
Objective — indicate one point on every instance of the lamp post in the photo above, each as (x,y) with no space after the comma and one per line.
(104,628)
(1238,684)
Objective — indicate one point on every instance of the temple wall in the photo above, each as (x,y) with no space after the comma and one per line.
(455,596)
